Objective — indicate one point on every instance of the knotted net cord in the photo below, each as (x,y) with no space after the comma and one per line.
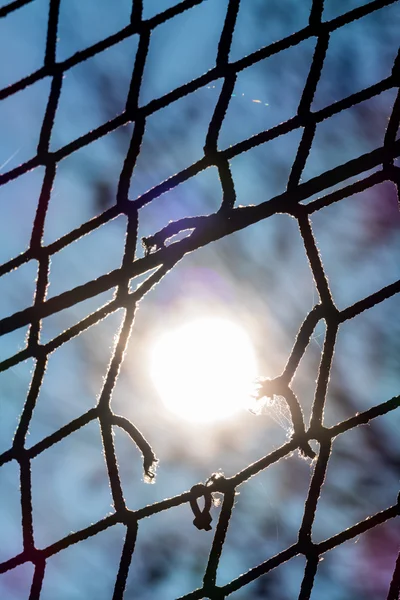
(204,229)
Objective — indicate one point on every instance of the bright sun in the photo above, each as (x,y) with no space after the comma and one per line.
(204,370)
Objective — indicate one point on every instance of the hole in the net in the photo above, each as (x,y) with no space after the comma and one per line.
(18,200)
(361,480)
(21,117)
(366,364)
(260,23)
(94,92)
(275,500)
(287,577)
(170,555)
(349,134)
(371,40)
(10,509)
(16,583)
(87,569)
(88,258)
(231,290)
(233,279)
(14,384)
(23,36)
(86,183)
(61,321)
(182,49)
(174,138)
(267,93)
(368,226)
(70,487)
(82,24)
(86,357)
(17,288)
(263,171)
(199,195)
(361,567)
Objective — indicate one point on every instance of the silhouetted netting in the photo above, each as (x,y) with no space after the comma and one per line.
(163,257)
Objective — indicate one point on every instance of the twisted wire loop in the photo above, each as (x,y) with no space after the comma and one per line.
(159,256)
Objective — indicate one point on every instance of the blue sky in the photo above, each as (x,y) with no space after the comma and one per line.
(259,276)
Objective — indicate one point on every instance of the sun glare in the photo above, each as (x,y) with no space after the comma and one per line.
(204,370)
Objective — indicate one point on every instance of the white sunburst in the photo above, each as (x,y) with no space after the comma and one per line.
(205,369)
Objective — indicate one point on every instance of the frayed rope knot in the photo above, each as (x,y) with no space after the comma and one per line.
(203,517)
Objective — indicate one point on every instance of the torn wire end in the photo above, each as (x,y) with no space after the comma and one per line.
(151,245)
(150,466)
(149,458)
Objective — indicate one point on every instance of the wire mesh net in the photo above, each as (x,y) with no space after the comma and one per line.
(162,257)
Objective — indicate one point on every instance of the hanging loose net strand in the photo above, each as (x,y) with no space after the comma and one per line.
(162,257)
